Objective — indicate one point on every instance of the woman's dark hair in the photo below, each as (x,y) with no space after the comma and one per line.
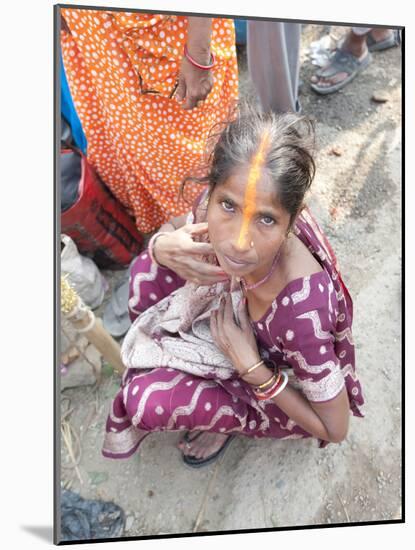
(288,159)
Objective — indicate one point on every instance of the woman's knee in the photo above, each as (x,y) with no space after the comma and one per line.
(145,403)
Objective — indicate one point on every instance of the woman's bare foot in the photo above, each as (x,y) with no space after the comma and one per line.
(203,445)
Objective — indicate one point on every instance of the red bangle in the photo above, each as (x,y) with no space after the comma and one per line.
(274,391)
(262,395)
(198,65)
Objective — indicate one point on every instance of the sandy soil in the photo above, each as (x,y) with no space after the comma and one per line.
(357,198)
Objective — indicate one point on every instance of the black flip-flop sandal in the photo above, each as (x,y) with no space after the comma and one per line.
(391,41)
(194,462)
(188,436)
(341,62)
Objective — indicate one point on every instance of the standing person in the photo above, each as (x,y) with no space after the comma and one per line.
(273,50)
(268,350)
(147,89)
(352,56)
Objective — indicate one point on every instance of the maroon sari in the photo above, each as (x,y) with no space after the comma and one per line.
(176,378)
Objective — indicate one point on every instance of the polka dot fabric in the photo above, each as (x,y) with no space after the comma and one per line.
(122,69)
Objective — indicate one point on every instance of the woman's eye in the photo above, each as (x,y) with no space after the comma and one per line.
(227,206)
(267,220)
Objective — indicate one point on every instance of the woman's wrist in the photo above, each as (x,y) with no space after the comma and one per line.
(156,254)
(197,47)
(198,39)
(259,376)
(154,249)
(200,61)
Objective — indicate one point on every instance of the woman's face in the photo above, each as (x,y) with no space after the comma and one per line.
(246,231)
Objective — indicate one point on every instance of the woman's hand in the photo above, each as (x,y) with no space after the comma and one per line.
(178,252)
(236,342)
(194,84)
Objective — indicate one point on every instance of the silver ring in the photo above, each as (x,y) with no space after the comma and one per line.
(188,446)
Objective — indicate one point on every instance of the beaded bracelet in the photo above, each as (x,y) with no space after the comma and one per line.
(151,244)
(277,391)
(198,65)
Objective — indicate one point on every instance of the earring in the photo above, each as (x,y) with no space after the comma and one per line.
(252,244)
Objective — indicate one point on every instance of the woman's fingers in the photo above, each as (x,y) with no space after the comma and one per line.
(217,331)
(243,313)
(180,90)
(191,100)
(214,327)
(228,311)
(220,314)
(205,273)
(200,249)
(185,256)
(195,228)
(210,272)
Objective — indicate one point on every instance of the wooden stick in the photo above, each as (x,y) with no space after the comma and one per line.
(207,494)
(84,321)
(344,507)
(104,342)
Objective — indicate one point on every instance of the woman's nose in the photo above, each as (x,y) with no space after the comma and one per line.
(242,240)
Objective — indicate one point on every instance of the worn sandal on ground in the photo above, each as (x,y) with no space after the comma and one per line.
(199,462)
(391,41)
(340,62)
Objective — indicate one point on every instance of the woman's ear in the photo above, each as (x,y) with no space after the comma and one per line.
(290,226)
(294,219)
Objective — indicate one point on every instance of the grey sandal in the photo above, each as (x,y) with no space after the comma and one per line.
(340,62)
(394,39)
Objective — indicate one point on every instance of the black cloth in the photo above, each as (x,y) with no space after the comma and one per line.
(71,172)
(83,519)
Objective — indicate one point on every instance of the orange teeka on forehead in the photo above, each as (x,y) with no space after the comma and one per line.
(250,193)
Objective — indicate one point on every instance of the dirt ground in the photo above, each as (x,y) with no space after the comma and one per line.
(264,483)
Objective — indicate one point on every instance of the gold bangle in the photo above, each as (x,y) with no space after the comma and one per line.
(272,386)
(267,383)
(274,378)
(252,368)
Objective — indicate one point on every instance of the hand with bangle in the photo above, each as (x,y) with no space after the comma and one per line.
(272,386)
(178,251)
(238,343)
(195,79)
